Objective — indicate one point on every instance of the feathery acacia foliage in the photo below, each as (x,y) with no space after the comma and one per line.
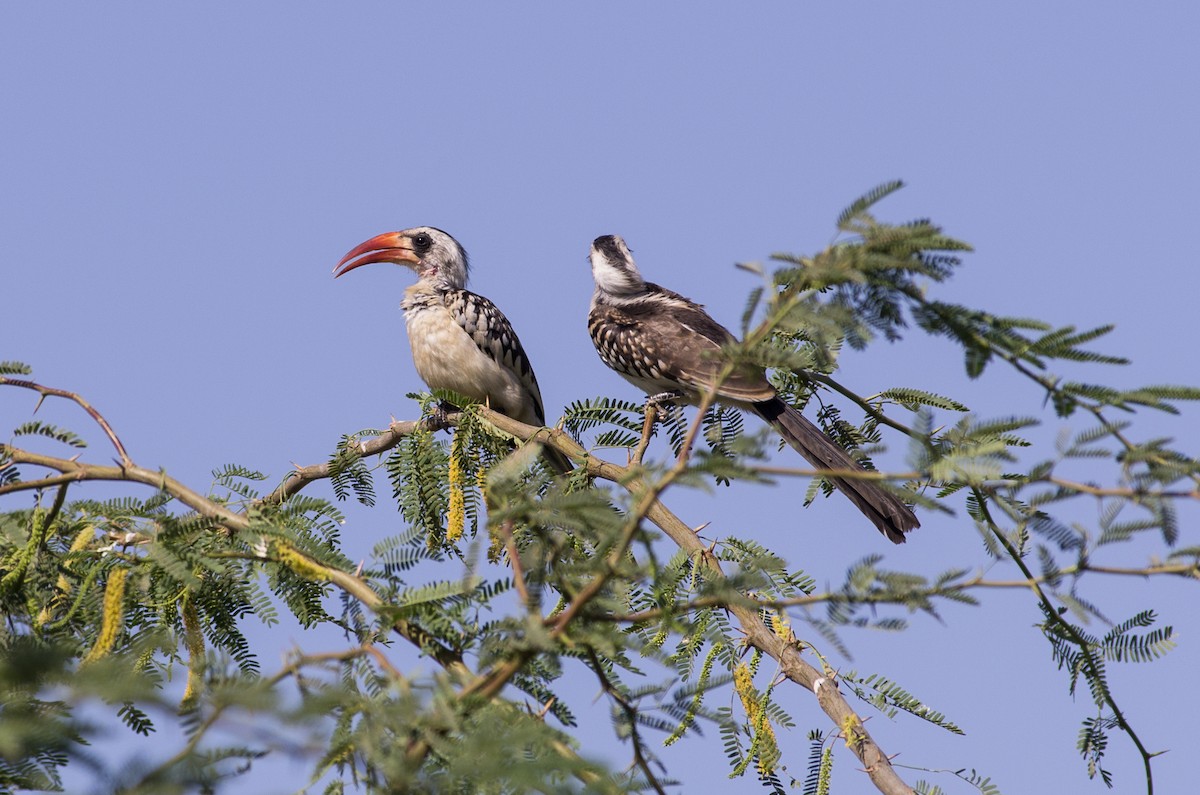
(502,582)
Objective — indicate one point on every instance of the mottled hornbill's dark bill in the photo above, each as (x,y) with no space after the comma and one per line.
(661,342)
(460,340)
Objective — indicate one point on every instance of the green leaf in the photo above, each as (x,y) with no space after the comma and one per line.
(35,428)
(15,368)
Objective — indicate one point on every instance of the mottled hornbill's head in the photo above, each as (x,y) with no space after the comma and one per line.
(432,253)
(613,267)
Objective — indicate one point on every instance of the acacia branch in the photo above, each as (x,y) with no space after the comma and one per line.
(396,431)
(1132,494)
(841,597)
(874,761)
(234,523)
(647,432)
(45,391)
(1085,649)
(867,408)
(631,714)
(489,686)
(514,560)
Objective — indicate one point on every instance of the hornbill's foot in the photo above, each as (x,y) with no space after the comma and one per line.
(440,412)
(669,396)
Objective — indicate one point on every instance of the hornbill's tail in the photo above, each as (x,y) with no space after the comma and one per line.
(883,508)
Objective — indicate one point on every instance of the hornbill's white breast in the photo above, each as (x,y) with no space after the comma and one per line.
(460,341)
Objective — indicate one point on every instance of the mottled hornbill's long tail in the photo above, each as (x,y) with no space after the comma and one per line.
(886,510)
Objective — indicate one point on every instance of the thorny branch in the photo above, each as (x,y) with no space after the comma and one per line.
(45,392)
(647,504)
(490,685)
(233,522)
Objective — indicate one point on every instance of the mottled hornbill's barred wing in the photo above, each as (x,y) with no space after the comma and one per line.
(887,511)
(493,335)
(661,342)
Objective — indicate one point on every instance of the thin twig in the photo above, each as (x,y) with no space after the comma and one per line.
(838,597)
(1084,647)
(1134,494)
(647,432)
(631,713)
(396,431)
(870,410)
(198,734)
(46,391)
(514,560)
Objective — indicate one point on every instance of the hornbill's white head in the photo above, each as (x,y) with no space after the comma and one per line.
(613,267)
(432,253)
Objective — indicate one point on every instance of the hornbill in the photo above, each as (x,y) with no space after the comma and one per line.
(460,340)
(663,343)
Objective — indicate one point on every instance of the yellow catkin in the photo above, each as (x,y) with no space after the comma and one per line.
(496,541)
(113,618)
(298,562)
(743,683)
(63,585)
(781,625)
(851,730)
(193,638)
(825,771)
(689,718)
(456,516)
(764,734)
(85,536)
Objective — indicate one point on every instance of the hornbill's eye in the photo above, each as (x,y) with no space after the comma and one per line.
(422,242)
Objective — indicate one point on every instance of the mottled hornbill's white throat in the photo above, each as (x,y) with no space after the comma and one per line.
(460,340)
(661,342)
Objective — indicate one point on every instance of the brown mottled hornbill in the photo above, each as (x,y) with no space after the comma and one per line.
(664,344)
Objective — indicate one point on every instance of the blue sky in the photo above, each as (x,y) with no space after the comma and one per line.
(176,185)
